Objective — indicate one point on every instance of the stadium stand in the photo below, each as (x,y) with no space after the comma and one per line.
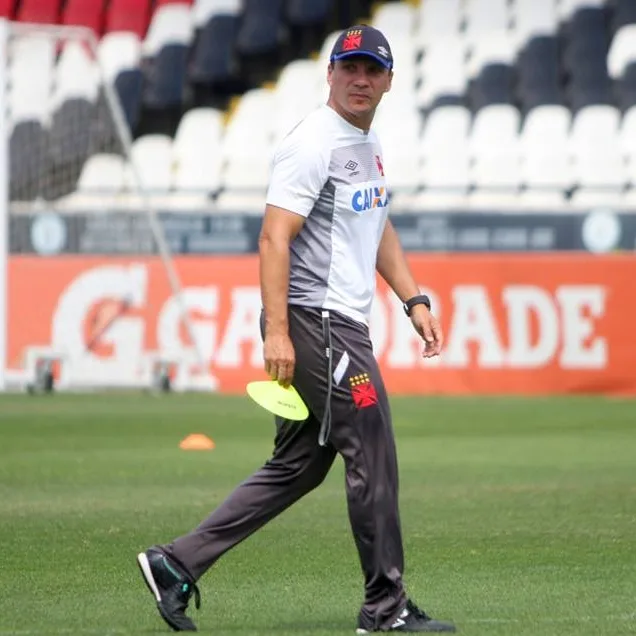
(208,87)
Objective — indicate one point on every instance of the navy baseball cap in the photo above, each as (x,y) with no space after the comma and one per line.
(362,39)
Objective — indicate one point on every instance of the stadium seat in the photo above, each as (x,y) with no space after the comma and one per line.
(443,75)
(295,96)
(204,10)
(598,160)
(74,96)
(494,148)
(166,49)
(627,136)
(396,20)
(437,20)
(197,151)
(247,144)
(448,171)
(39,11)
(7,8)
(102,174)
(534,18)
(261,35)
(214,61)
(28,163)
(303,13)
(87,13)
(485,18)
(495,48)
(152,159)
(624,14)
(622,51)
(446,127)
(494,128)
(539,73)
(398,127)
(31,73)
(120,56)
(128,15)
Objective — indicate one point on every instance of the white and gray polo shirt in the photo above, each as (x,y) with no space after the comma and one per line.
(330,172)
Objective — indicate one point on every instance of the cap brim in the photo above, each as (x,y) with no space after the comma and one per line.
(378,58)
(277,399)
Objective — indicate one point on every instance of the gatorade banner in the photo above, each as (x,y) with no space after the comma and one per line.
(523,324)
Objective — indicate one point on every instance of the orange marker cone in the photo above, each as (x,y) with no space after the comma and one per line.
(197,441)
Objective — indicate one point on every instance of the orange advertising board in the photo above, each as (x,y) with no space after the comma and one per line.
(527,324)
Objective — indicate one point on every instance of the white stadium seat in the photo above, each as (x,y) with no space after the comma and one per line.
(545,122)
(76,76)
(119,51)
(170,24)
(622,50)
(296,95)
(204,10)
(102,173)
(152,158)
(597,156)
(627,134)
(197,151)
(443,72)
(396,20)
(31,76)
(438,19)
(495,129)
(445,127)
(533,18)
(484,18)
(498,47)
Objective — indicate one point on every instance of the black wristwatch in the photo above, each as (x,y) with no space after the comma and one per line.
(416,300)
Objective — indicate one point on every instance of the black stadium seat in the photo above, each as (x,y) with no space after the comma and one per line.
(493,85)
(27,159)
(69,144)
(165,78)
(261,39)
(624,13)
(214,66)
(626,88)
(538,68)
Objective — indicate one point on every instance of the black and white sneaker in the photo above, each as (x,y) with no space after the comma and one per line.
(170,586)
(412,619)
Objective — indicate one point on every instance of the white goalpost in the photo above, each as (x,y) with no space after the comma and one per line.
(62,109)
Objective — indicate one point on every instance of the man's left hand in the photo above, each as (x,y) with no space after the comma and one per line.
(429,329)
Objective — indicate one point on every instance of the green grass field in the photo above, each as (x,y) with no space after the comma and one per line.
(519,516)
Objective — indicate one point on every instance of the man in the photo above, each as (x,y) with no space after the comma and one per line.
(324,235)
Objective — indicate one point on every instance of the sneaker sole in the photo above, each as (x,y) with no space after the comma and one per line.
(361,631)
(144,566)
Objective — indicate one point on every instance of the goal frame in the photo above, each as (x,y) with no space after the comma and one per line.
(86,36)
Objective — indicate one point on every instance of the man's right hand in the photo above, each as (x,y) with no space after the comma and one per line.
(280,357)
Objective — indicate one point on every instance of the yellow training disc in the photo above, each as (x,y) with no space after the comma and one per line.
(281,401)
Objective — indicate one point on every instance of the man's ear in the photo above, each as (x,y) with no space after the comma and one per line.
(329,73)
(388,88)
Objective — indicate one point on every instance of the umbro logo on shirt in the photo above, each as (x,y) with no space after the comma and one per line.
(351,165)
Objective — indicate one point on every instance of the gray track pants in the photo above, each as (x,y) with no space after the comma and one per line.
(361,432)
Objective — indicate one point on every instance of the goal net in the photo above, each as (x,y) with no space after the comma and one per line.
(71,311)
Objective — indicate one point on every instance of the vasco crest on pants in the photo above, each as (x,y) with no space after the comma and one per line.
(362,390)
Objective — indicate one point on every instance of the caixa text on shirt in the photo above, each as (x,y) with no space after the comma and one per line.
(369,198)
